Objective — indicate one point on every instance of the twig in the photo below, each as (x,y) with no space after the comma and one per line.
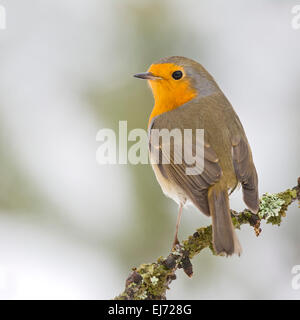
(151,281)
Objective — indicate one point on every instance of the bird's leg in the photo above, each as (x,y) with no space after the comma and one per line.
(176,241)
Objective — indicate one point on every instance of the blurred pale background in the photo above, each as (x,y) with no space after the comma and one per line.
(70,228)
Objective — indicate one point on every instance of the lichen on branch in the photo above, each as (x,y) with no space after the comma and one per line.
(151,281)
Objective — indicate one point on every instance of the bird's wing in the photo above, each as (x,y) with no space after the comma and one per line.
(194,186)
(245,171)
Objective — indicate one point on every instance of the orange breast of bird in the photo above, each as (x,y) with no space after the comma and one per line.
(168,94)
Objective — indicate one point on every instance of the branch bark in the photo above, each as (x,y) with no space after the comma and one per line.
(151,281)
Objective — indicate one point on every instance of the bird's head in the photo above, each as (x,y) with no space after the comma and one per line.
(177,80)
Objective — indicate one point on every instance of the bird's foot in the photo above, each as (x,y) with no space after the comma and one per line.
(176,244)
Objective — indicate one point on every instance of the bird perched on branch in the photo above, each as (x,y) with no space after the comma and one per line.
(187,97)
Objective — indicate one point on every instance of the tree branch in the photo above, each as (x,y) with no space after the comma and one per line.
(151,281)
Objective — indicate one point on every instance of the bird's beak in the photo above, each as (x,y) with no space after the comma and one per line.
(147,76)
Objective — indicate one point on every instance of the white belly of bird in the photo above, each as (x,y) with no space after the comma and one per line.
(168,188)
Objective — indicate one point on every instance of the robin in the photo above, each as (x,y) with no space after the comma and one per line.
(187,97)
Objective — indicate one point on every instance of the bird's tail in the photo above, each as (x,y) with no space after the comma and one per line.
(225,240)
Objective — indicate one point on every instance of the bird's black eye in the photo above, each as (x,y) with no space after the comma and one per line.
(177,75)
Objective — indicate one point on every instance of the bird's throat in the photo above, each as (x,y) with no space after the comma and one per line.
(169,97)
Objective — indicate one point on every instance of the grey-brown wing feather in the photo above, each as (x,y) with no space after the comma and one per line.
(194,186)
(245,172)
